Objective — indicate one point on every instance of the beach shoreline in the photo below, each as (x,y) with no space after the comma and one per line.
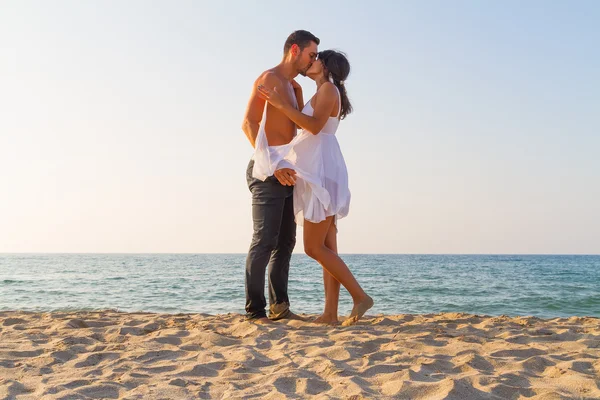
(140,355)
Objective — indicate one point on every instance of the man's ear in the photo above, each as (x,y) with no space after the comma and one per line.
(295,50)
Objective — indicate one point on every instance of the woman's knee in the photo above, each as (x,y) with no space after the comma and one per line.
(314,250)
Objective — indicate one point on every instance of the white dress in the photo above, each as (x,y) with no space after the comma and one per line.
(322,177)
(321,188)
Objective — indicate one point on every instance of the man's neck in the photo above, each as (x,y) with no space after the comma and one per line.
(287,69)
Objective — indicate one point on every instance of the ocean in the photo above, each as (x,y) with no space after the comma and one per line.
(545,286)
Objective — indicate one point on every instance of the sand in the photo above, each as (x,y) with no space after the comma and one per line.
(114,355)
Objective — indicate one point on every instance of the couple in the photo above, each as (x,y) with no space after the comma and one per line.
(298,179)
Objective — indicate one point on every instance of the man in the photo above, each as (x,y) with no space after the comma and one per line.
(274,235)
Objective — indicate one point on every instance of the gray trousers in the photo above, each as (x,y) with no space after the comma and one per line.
(272,244)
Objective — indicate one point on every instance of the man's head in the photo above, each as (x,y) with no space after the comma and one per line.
(301,50)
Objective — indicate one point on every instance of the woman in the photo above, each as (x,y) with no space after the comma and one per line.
(321,195)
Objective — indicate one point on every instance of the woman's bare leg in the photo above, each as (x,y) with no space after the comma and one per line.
(332,286)
(314,246)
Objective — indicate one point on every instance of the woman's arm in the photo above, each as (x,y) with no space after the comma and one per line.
(298,93)
(325,100)
(299,97)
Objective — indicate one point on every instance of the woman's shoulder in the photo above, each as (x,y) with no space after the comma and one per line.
(327,87)
(327,90)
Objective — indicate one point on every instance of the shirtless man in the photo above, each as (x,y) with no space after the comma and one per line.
(274,235)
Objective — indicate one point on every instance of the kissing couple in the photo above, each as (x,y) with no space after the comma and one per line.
(298,178)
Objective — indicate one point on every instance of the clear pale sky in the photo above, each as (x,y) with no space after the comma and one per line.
(476,125)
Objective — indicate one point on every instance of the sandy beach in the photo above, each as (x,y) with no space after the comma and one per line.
(114,355)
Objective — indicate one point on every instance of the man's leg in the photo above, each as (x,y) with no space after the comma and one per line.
(268,202)
(279,266)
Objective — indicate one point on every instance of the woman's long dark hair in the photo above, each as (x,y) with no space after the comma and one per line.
(337,69)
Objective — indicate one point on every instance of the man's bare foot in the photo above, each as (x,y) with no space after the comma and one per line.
(358,311)
(262,321)
(289,315)
(326,319)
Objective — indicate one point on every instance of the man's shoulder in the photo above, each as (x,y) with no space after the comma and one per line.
(269,78)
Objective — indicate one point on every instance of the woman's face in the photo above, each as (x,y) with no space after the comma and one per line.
(315,70)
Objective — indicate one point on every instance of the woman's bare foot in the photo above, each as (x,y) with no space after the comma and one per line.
(358,311)
(326,319)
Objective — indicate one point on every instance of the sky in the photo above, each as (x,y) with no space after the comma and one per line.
(476,126)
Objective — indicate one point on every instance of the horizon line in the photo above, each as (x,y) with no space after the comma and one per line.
(361,254)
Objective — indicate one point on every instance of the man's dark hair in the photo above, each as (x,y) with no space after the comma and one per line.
(301,38)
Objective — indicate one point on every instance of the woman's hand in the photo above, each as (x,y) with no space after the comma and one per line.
(272,96)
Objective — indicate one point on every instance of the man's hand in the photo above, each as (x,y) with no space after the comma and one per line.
(286,176)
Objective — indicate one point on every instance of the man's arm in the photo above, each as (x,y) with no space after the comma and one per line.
(256,106)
